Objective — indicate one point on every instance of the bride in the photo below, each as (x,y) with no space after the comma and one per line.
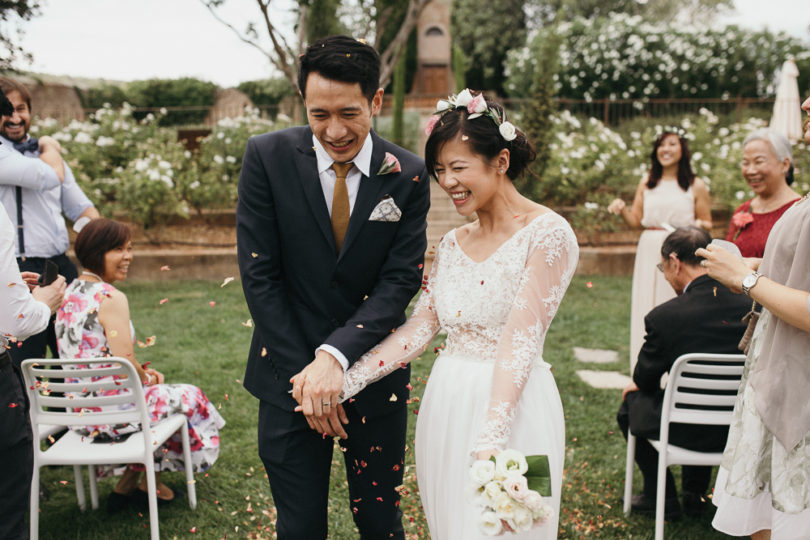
(494,287)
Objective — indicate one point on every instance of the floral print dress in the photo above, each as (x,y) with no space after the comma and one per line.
(80,335)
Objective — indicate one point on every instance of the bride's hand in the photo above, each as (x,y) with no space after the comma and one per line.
(723,266)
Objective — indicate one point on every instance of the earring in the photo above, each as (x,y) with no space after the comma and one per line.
(500,171)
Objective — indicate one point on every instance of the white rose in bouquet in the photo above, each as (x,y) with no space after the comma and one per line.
(509,462)
(523,519)
(464,98)
(491,492)
(505,507)
(490,524)
(533,501)
(516,486)
(482,472)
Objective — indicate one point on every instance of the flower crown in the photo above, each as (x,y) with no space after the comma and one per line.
(677,130)
(476,106)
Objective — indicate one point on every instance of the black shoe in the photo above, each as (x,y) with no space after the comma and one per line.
(694,504)
(141,498)
(117,502)
(641,504)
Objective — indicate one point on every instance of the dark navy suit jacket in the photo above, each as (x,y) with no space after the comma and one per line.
(300,292)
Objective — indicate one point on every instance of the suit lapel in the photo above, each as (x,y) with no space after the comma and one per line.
(367,195)
(307,165)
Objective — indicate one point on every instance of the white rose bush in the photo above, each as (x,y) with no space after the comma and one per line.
(140,169)
(509,488)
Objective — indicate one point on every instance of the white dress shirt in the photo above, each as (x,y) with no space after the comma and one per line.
(44,227)
(20,315)
(362,164)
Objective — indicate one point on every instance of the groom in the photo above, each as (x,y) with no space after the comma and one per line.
(331,238)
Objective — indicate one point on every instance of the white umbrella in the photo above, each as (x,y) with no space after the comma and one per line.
(787,113)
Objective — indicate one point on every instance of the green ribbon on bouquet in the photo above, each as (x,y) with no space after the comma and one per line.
(539,475)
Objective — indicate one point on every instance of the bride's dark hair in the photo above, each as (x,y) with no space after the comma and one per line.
(483,136)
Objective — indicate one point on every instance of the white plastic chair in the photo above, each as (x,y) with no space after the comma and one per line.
(73,449)
(701,389)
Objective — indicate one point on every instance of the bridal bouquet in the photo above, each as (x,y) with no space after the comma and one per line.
(510,488)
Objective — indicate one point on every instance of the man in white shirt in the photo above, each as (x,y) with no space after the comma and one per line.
(37,206)
(23,313)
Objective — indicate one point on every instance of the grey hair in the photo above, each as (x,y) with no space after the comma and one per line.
(779,143)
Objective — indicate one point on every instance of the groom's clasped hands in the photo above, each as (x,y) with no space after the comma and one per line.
(317,390)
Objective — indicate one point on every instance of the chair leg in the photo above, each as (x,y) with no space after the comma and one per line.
(91,478)
(151,490)
(630,463)
(660,493)
(192,489)
(33,526)
(77,477)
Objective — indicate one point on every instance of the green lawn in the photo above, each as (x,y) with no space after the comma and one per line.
(207,345)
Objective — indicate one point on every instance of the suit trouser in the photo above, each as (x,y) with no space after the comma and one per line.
(37,346)
(694,479)
(298,461)
(16,452)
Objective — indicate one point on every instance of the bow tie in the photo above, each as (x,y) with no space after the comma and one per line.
(31,145)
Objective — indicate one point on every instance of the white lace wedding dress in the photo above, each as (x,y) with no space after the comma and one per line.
(489,387)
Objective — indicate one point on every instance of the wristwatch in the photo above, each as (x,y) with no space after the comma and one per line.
(749,281)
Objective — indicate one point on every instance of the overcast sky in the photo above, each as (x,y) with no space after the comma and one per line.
(141,39)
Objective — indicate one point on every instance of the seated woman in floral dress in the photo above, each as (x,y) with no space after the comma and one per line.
(94,322)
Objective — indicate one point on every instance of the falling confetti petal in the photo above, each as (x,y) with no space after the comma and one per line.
(227,280)
(589,284)
(254,254)
(165,268)
(393,397)
(248,324)
(212,303)
(164,301)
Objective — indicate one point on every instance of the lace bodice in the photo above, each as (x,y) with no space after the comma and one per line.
(496,311)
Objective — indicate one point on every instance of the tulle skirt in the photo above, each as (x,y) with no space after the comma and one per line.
(453,410)
(649,286)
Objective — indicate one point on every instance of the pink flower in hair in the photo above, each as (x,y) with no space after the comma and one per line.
(434,119)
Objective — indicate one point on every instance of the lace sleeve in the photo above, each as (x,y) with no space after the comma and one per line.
(548,271)
(401,346)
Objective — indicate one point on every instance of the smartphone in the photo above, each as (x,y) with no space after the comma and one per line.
(49,274)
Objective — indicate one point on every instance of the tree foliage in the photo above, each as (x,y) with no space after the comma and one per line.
(184,92)
(12,14)
(542,12)
(267,91)
(485,31)
(367,19)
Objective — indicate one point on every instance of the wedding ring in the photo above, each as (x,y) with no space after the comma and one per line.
(326,404)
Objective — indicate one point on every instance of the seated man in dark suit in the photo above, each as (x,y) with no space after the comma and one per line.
(704,317)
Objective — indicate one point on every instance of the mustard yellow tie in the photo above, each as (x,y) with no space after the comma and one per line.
(340,203)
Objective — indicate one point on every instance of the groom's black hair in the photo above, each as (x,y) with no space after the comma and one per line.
(344,59)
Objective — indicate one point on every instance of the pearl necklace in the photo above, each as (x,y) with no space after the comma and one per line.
(98,277)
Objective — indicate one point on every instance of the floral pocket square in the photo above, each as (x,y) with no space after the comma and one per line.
(386,210)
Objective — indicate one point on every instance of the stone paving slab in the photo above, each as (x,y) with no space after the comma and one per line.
(595,356)
(604,379)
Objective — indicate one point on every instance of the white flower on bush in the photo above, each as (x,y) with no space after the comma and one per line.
(509,462)
(194,185)
(490,524)
(591,206)
(482,472)
(230,159)
(103,141)
(218,159)
(739,195)
(82,138)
